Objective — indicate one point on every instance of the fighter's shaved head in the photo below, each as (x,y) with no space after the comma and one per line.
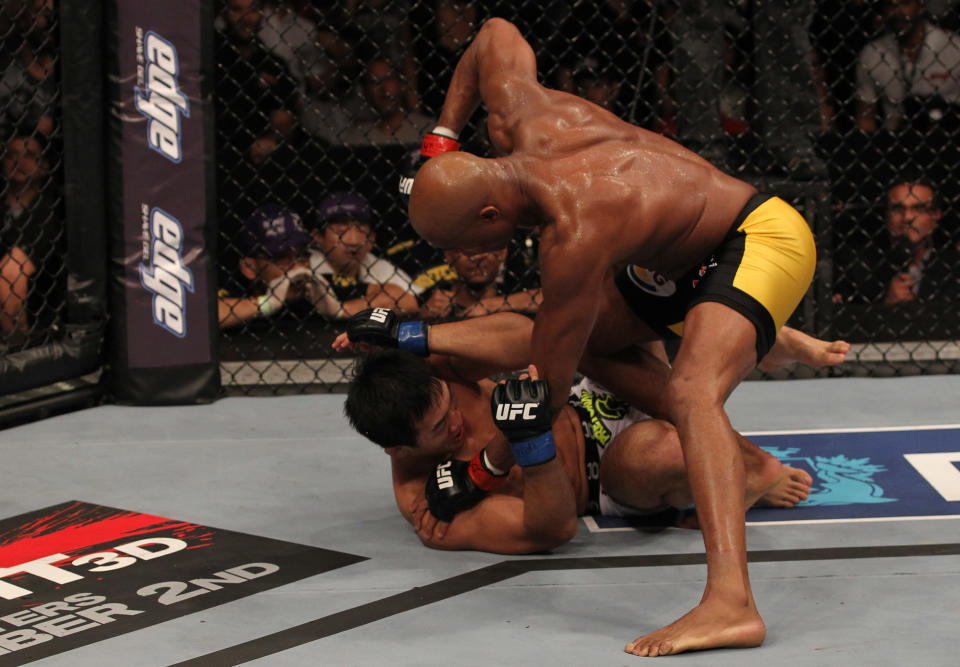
(445,194)
(448,194)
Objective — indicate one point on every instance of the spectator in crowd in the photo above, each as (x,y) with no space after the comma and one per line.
(699,76)
(256,95)
(912,72)
(28,91)
(839,31)
(276,256)
(442,30)
(391,123)
(912,259)
(317,54)
(295,39)
(790,103)
(383,27)
(255,100)
(470,285)
(347,277)
(791,96)
(29,232)
(383,119)
(622,41)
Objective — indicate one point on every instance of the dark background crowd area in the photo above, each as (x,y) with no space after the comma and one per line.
(313,128)
(316,97)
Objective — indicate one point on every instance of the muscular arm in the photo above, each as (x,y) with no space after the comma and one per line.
(489,70)
(536,510)
(482,346)
(567,315)
(232,311)
(499,524)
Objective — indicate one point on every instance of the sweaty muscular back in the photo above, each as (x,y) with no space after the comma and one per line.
(664,206)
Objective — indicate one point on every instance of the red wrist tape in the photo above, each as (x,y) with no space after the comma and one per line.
(434,144)
(483,478)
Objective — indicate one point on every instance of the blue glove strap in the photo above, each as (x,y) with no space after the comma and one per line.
(412,337)
(534,451)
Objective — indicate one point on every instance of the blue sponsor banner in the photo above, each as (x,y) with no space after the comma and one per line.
(163,149)
(863,474)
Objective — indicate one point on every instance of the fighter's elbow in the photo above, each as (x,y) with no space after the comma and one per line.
(498,37)
(495,25)
(556,534)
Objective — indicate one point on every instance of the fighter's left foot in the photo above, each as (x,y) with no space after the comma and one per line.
(821,353)
(791,487)
(708,625)
(794,346)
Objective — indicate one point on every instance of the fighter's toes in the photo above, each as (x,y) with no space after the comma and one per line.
(835,353)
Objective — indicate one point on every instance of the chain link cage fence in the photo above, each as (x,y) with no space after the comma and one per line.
(33,239)
(849,110)
(52,262)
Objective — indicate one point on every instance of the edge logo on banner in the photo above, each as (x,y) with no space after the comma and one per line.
(162,108)
(860,474)
(77,573)
(157,94)
(163,272)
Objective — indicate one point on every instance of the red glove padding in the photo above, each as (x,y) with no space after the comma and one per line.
(481,474)
(433,144)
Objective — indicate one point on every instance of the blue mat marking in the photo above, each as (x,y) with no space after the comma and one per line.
(860,475)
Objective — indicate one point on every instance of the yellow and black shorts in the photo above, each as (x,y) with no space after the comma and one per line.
(762,269)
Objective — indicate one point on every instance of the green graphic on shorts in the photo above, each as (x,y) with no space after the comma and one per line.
(610,407)
(600,407)
(838,480)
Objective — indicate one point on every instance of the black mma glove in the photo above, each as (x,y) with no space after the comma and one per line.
(458,485)
(451,490)
(381,326)
(521,409)
(441,140)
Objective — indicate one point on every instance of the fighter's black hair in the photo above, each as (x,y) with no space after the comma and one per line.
(390,392)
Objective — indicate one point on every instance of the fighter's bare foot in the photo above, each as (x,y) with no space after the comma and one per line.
(794,346)
(791,487)
(820,353)
(708,625)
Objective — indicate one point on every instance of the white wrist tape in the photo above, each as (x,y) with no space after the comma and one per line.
(446,132)
(492,468)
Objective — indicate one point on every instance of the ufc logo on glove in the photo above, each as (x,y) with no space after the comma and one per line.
(379,315)
(510,412)
(444,478)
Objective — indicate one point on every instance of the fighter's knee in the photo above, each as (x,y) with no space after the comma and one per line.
(658,435)
(681,390)
(686,395)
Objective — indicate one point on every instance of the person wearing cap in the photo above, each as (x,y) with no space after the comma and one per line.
(276,258)
(470,285)
(347,276)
